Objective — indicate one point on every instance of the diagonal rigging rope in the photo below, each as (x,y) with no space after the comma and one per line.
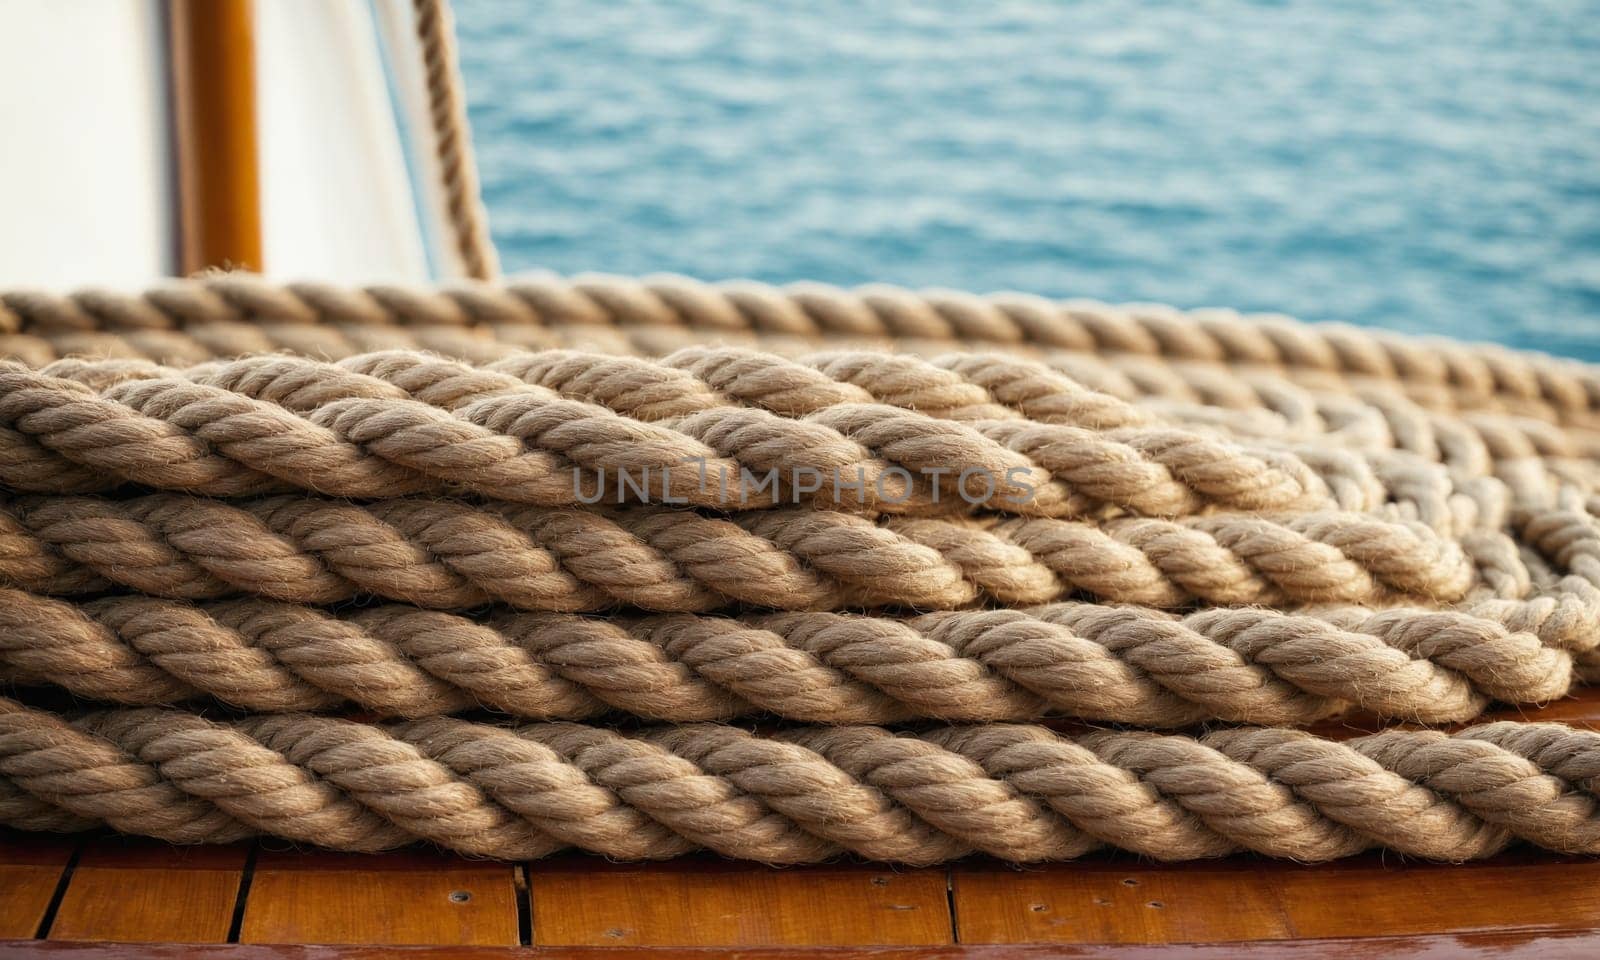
(452,139)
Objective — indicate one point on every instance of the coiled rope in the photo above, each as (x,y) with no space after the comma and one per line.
(1184,519)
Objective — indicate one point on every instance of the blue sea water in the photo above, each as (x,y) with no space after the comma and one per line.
(1422,166)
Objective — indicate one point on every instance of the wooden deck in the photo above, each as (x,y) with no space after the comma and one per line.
(103,896)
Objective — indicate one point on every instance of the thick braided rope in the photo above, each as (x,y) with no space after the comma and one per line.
(446,554)
(1197,394)
(1568,535)
(500,437)
(1108,463)
(1003,397)
(972,388)
(1025,405)
(994,394)
(1215,473)
(1472,374)
(1437,477)
(1019,793)
(1121,664)
(991,388)
(1416,490)
(1354,423)
(1534,457)
(452,138)
(1169,388)
(60,436)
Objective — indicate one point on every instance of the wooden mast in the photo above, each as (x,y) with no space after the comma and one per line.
(214,119)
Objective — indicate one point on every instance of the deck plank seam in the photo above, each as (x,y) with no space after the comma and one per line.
(241,899)
(60,893)
(950,903)
(523,885)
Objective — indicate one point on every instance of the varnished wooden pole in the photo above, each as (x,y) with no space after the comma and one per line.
(214,118)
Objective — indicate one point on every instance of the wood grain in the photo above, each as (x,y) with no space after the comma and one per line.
(1518,945)
(136,892)
(398,898)
(1580,709)
(30,871)
(1114,903)
(1523,890)
(1127,902)
(580,901)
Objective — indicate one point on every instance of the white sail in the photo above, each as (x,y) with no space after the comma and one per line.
(85,160)
(87,167)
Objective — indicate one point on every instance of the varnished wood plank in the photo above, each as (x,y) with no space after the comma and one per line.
(1124,901)
(1367,896)
(1581,708)
(1117,902)
(1518,945)
(214,117)
(133,892)
(580,901)
(30,871)
(398,898)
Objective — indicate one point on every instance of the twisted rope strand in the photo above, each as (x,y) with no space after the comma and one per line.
(449,555)
(1111,664)
(523,444)
(1007,399)
(1472,374)
(1401,441)
(1242,478)
(452,136)
(1568,536)
(1158,384)
(1209,471)
(525,447)
(1157,471)
(827,387)
(1020,793)
(1024,406)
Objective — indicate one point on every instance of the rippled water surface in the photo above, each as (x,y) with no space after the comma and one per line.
(1423,166)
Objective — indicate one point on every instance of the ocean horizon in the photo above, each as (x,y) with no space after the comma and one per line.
(1425,168)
